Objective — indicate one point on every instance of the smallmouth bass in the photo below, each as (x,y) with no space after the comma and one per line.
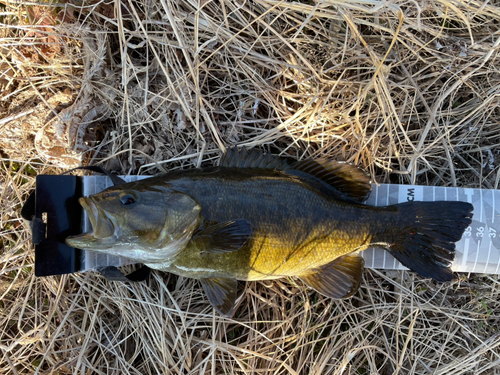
(258,217)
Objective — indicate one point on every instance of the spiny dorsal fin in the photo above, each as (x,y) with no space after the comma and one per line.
(221,292)
(337,279)
(352,182)
(253,158)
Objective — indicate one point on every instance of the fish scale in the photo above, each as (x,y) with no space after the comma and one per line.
(259,217)
(303,230)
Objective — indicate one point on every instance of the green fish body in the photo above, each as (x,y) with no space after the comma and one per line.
(294,227)
(257,217)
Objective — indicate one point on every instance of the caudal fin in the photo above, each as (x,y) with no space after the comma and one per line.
(425,243)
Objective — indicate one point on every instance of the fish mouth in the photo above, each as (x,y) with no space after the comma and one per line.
(103,228)
(91,209)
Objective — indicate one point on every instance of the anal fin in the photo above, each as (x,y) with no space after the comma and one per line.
(337,279)
(221,292)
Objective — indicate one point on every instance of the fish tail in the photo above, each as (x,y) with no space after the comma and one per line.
(425,240)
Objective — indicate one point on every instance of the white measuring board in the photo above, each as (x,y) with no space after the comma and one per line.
(478,250)
(92,259)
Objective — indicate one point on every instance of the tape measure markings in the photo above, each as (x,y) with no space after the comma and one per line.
(482,232)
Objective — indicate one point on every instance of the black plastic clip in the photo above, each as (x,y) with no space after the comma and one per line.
(54,213)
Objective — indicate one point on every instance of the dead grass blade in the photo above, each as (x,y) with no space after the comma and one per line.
(408,90)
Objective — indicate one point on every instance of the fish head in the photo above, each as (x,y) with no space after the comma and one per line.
(147,225)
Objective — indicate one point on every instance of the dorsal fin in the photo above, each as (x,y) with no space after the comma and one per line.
(253,158)
(351,181)
(348,180)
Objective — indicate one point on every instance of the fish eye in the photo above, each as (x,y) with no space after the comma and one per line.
(127,199)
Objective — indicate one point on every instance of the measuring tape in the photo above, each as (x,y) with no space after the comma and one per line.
(477,251)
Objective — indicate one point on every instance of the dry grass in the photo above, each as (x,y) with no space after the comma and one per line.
(409,90)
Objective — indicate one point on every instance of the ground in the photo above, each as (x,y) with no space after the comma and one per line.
(406,90)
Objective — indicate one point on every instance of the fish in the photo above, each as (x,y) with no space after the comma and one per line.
(258,216)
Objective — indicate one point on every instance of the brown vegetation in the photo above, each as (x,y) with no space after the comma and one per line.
(408,90)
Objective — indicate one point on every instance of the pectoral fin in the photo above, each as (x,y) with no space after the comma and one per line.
(224,237)
(221,293)
(337,279)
